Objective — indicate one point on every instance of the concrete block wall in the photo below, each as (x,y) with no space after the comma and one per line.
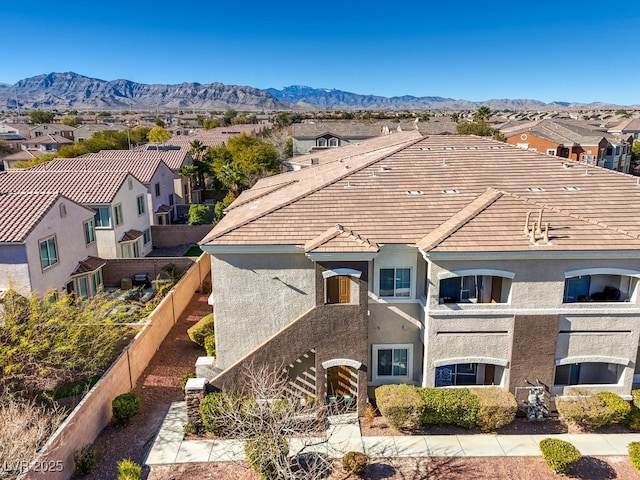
(165,236)
(117,269)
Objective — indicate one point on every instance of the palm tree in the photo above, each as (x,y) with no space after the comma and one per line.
(198,152)
(232,177)
(189,171)
(482,114)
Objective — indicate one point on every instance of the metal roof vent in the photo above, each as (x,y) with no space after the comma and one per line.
(571,189)
(450,191)
(535,189)
(385,168)
(424,148)
(415,192)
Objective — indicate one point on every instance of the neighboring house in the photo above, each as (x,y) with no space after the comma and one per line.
(12,141)
(582,143)
(154,174)
(308,137)
(85,132)
(47,243)
(57,129)
(121,231)
(174,156)
(630,126)
(48,143)
(12,160)
(447,260)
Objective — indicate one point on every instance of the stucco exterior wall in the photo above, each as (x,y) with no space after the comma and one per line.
(258,295)
(70,243)
(165,178)
(15,269)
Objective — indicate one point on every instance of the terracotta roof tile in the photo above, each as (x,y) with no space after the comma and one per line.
(88,265)
(338,239)
(130,235)
(21,212)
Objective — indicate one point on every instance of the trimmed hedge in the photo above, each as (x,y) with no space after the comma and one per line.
(593,411)
(355,463)
(449,406)
(125,407)
(401,405)
(560,456)
(265,452)
(203,328)
(498,407)
(633,419)
(634,454)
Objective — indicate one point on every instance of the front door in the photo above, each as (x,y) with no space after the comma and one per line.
(345,289)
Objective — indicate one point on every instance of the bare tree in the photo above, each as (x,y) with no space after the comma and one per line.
(260,408)
(24,429)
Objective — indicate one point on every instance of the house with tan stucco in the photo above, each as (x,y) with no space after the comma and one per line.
(439,261)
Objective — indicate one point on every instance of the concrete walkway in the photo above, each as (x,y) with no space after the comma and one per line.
(344,435)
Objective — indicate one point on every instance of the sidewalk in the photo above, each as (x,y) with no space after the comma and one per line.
(344,436)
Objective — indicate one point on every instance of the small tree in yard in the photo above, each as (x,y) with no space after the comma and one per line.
(260,409)
(199,215)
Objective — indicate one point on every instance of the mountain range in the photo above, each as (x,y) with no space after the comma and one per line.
(71,90)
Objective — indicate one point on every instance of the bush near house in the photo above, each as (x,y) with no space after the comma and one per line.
(498,407)
(129,470)
(202,329)
(355,463)
(633,418)
(210,345)
(560,456)
(634,454)
(265,453)
(125,407)
(636,393)
(449,406)
(589,411)
(401,405)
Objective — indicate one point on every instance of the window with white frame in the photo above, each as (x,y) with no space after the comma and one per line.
(393,362)
(395,282)
(551,151)
(147,236)
(89,232)
(103,217)
(83,287)
(48,252)
(96,280)
(140,202)
(117,213)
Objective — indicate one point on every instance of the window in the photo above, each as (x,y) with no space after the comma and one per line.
(136,249)
(598,288)
(48,253)
(171,200)
(395,282)
(103,217)
(157,189)
(475,289)
(117,213)
(333,142)
(321,142)
(89,232)
(83,287)
(131,250)
(468,374)
(393,363)
(96,280)
(63,210)
(551,151)
(147,236)
(588,373)
(126,250)
(140,201)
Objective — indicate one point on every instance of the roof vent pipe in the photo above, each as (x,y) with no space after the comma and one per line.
(526,224)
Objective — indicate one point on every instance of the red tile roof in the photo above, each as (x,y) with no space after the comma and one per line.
(21,212)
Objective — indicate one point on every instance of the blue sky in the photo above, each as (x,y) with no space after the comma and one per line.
(561,50)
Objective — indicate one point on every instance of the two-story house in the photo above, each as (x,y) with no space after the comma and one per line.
(154,174)
(57,129)
(451,260)
(122,229)
(47,244)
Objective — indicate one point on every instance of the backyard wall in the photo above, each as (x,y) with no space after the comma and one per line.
(117,269)
(164,236)
(94,412)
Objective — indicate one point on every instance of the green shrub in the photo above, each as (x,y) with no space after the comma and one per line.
(355,463)
(634,454)
(449,406)
(636,393)
(633,418)
(219,411)
(210,345)
(129,470)
(198,332)
(590,411)
(85,459)
(618,407)
(498,407)
(124,407)
(190,429)
(560,456)
(265,452)
(400,405)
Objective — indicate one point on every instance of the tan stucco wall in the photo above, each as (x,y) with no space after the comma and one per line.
(258,295)
(165,177)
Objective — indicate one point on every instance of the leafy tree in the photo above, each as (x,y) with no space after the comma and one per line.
(209,123)
(285,119)
(4,148)
(199,215)
(71,121)
(40,116)
(159,122)
(44,343)
(158,135)
(218,211)
(481,129)
(229,115)
(455,117)
(288,152)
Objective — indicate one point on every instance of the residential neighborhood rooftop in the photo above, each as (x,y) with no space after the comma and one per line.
(20,212)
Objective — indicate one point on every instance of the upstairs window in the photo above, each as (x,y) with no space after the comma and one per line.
(395,282)
(117,213)
(140,202)
(48,253)
(103,217)
(596,287)
(475,289)
(89,232)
